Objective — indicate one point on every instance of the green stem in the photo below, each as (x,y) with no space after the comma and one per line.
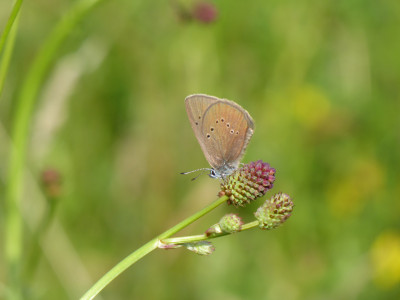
(191,238)
(202,237)
(34,253)
(146,249)
(10,22)
(250,225)
(8,43)
(22,118)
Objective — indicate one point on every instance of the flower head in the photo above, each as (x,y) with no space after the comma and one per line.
(274,211)
(51,182)
(205,12)
(231,223)
(249,182)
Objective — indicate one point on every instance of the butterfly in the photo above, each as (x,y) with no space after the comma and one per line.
(223,129)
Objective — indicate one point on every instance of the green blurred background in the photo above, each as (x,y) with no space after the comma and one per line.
(321,80)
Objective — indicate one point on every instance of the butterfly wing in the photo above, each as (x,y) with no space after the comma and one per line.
(196,105)
(227,129)
(222,128)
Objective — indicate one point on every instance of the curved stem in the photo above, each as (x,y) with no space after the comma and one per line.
(146,249)
(10,22)
(7,40)
(22,118)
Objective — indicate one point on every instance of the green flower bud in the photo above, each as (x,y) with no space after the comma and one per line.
(213,230)
(201,248)
(274,211)
(231,223)
(52,183)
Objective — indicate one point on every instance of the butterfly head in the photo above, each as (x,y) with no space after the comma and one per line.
(214,174)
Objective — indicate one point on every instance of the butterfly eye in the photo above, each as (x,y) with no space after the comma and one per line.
(212,173)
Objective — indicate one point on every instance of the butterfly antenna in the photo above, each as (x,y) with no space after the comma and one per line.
(201,173)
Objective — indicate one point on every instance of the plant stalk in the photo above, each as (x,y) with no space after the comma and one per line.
(146,249)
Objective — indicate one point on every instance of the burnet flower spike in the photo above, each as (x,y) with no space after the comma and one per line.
(275,211)
(248,183)
(229,223)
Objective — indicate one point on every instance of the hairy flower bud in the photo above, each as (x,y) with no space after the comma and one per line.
(51,182)
(231,223)
(213,230)
(201,248)
(249,182)
(274,211)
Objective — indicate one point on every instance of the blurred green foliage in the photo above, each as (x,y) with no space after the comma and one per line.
(321,80)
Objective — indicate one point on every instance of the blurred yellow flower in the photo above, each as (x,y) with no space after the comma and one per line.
(385,259)
(362,181)
(310,106)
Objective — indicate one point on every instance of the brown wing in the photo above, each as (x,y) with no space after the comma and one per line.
(226,131)
(196,105)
